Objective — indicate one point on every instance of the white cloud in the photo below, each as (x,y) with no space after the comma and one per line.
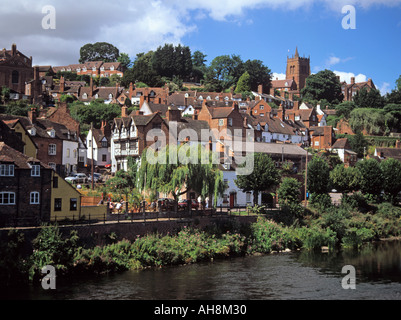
(132,26)
(278,76)
(385,88)
(346,76)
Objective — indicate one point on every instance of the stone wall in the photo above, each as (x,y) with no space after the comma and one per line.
(99,234)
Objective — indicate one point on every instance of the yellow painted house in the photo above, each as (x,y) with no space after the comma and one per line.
(67,203)
(65,200)
(30,148)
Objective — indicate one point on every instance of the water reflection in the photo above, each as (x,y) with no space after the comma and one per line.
(301,275)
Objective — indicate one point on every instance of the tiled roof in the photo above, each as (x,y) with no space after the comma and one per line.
(8,154)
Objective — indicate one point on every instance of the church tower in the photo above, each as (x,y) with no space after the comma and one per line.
(298,69)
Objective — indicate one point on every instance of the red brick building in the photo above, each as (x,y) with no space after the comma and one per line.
(25,189)
(18,74)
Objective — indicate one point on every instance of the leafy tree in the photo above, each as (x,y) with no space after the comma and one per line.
(323,85)
(391,174)
(125,61)
(177,170)
(370,119)
(99,51)
(18,108)
(289,191)
(224,71)
(398,83)
(258,74)
(371,178)
(169,61)
(263,177)
(95,112)
(199,59)
(344,109)
(5,95)
(318,176)
(358,144)
(345,179)
(371,98)
(243,84)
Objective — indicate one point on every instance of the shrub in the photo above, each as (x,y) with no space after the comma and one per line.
(320,201)
(355,237)
(314,238)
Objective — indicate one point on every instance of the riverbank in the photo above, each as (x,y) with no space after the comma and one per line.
(332,228)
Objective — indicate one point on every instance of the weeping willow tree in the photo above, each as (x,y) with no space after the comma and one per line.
(178,170)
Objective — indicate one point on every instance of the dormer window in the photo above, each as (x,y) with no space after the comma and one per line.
(110,96)
(94,69)
(102,69)
(35,170)
(32,132)
(78,69)
(112,68)
(85,96)
(266,127)
(84,69)
(96,96)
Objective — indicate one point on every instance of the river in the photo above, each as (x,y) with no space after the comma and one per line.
(299,275)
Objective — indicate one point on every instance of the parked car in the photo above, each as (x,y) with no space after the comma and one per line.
(97,177)
(166,203)
(184,204)
(77,178)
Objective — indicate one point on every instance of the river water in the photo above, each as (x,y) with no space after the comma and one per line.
(299,275)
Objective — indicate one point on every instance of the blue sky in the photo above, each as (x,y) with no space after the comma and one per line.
(266,30)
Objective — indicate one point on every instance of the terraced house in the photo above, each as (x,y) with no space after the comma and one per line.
(25,188)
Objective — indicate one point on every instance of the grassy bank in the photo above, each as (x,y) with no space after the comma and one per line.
(332,227)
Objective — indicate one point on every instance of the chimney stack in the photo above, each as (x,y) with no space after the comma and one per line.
(32,115)
(124,111)
(13,49)
(352,80)
(62,84)
(91,87)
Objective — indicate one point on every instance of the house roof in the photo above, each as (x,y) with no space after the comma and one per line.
(341,143)
(10,155)
(271,148)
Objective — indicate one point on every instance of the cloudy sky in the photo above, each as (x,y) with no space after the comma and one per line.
(267,30)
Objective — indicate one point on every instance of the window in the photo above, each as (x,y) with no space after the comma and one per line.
(34,198)
(73,204)
(55,182)
(35,170)
(104,144)
(316,143)
(248,197)
(7,198)
(68,152)
(230,121)
(52,149)
(57,204)
(15,77)
(6,170)
(104,157)
(221,122)
(262,107)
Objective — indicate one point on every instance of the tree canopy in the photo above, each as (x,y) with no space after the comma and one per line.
(179,170)
(99,51)
(263,177)
(323,85)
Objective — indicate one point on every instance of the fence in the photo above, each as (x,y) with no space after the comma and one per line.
(150,215)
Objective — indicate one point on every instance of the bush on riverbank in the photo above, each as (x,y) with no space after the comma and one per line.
(344,226)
